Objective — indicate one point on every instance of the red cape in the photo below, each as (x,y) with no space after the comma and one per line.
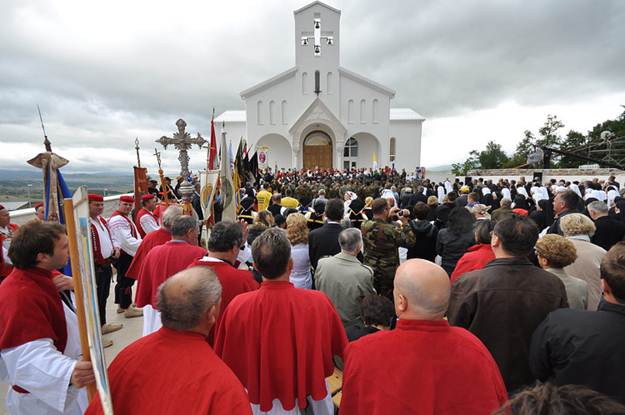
(160,263)
(280,341)
(421,368)
(152,239)
(233,282)
(172,372)
(31,309)
(476,257)
(142,212)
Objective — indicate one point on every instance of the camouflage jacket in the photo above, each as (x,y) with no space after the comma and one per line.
(381,240)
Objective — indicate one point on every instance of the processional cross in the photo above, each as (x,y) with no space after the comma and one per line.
(317,36)
(183,142)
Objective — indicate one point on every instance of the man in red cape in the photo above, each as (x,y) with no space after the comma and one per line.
(146,220)
(162,262)
(225,240)
(174,370)
(424,366)
(39,339)
(156,238)
(280,340)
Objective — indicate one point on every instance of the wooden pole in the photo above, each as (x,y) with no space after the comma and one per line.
(70,224)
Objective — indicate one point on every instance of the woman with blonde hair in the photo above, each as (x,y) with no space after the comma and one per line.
(297,232)
(264,217)
(555,252)
(578,229)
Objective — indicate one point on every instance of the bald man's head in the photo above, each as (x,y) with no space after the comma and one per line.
(421,290)
(186,297)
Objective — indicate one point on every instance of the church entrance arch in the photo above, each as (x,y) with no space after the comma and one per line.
(317,150)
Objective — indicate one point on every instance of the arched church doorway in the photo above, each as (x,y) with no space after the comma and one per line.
(318,150)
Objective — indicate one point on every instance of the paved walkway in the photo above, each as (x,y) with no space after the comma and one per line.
(132,331)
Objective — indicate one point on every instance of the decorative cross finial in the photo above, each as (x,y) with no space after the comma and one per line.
(182,141)
(317,37)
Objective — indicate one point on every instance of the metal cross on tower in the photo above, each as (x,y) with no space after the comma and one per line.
(317,37)
(182,141)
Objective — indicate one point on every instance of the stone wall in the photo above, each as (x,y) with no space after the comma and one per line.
(566,174)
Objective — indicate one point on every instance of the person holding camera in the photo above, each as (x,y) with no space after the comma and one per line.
(382,237)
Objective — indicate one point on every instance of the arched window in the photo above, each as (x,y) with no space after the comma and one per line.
(304,82)
(329,83)
(391,151)
(350,111)
(363,110)
(272,111)
(374,111)
(351,148)
(259,112)
(283,112)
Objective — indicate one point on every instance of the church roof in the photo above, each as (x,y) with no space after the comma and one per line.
(366,81)
(318,107)
(315,3)
(268,83)
(405,114)
(231,116)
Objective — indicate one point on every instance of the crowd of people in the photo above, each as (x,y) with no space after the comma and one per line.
(482,297)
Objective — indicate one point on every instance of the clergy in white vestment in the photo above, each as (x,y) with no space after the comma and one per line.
(39,339)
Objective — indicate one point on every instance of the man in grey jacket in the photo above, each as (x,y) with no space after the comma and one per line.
(344,278)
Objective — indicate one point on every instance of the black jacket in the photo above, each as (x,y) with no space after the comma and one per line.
(324,242)
(425,236)
(502,304)
(582,348)
(451,247)
(609,232)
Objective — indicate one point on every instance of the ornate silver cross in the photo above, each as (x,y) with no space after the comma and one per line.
(182,141)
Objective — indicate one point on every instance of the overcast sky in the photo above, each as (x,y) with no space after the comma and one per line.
(106,72)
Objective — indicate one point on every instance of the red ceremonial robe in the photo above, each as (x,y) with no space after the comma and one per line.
(421,368)
(160,263)
(31,309)
(280,341)
(152,239)
(172,372)
(233,282)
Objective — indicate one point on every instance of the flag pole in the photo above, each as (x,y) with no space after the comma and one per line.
(70,223)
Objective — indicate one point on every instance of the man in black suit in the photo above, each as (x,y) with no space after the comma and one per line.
(609,230)
(324,241)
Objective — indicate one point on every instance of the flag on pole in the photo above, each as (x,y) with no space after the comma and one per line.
(212,154)
(374,161)
(230,155)
(141,185)
(208,182)
(227,185)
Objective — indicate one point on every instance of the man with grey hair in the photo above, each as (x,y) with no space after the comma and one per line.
(280,340)
(162,262)
(504,210)
(609,230)
(458,376)
(167,366)
(152,239)
(344,278)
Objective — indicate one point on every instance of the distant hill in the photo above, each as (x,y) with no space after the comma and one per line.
(443,168)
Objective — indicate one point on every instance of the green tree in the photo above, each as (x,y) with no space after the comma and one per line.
(472,163)
(523,149)
(572,142)
(493,157)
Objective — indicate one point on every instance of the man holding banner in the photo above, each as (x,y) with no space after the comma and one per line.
(39,339)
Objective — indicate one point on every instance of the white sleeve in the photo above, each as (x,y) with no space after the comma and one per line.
(122,237)
(148,224)
(41,369)
(5,255)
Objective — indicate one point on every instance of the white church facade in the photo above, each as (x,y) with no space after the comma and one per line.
(319,114)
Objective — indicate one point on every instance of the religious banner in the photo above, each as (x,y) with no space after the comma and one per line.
(141,185)
(208,181)
(81,253)
(263,157)
(227,185)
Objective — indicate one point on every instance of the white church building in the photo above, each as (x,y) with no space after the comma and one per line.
(319,114)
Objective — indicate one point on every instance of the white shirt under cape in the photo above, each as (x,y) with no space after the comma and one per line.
(122,235)
(38,367)
(148,223)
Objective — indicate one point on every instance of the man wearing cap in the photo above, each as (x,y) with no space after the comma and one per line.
(104,252)
(7,229)
(146,221)
(124,234)
(40,211)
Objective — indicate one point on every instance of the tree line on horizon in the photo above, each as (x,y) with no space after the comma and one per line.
(549,135)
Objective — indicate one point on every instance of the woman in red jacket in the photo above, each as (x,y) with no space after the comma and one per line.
(480,254)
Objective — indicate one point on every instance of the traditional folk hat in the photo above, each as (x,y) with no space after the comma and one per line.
(38,205)
(95,198)
(2,208)
(127,199)
(146,197)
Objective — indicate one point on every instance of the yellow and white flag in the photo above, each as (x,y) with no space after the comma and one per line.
(227,186)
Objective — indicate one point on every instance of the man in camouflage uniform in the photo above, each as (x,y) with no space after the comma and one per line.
(382,238)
